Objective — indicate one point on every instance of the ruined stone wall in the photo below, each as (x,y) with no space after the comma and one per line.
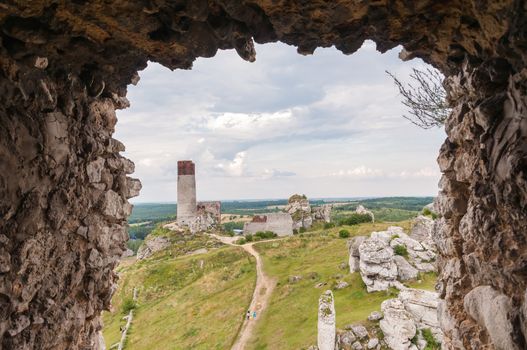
(279,223)
(64,67)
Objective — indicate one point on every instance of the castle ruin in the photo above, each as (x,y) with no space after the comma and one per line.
(197,216)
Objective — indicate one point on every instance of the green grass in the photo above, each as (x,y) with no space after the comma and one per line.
(187,302)
(291,319)
(428,281)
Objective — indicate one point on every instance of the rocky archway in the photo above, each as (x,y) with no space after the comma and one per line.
(64,67)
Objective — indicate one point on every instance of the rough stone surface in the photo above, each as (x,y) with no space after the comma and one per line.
(372,343)
(151,245)
(322,213)
(279,223)
(362,210)
(300,210)
(422,228)
(326,322)
(405,271)
(377,267)
(375,316)
(64,67)
(360,331)
(397,325)
(354,254)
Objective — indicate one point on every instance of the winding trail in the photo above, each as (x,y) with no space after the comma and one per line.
(261,295)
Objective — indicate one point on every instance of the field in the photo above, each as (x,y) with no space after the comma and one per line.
(187,302)
(291,320)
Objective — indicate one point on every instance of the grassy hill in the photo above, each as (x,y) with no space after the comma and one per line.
(187,302)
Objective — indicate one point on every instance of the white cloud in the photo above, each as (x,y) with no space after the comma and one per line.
(236,167)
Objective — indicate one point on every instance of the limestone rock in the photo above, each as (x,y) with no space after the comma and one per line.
(377,268)
(397,325)
(375,316)
(326,322)
(151,245)
(363,211)
(373,343)
(354,255)
(294,279)
(322,213)
(356,346)
(360,331)
(346,339)
(493,311)
(127,253)
(422,228)
(341,285)
(405,271)
(300,210)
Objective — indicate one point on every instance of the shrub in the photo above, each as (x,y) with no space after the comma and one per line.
(394,237)
(431,342)
(249,237)
(241,241)
(265,234)
(344,234)
(400,250)
(427,212)
(302,229)
(295,231)
(328,225)
(128,304)
(355,219)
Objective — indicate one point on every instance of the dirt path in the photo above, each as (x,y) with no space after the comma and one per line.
(261,295)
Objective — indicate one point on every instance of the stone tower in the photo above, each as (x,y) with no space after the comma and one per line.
(186,192)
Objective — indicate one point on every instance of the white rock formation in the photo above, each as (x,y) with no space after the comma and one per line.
(322,213)
(405,271)
(377,267)
(422,305)
(300,210)
(127,253)
(152,245)
(397,325)
(361,210)
(422,228)
(354,255)
(326,322)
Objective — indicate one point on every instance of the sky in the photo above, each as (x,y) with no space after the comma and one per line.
(325,125)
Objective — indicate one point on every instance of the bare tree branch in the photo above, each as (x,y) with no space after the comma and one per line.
(426,100)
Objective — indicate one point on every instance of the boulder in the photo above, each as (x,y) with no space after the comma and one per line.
(360,331)
(422,228)
(363,211)
(326,321)
(346,339)
(127,253)
(377,268)
(341,285)
(492,311)
(356,346)
(294,279)
(152,245)
(373,343)
(322,213)
(375,316)
(405,271)
(354,254)
(397,325)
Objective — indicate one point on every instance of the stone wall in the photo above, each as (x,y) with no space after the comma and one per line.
(279,223)
(64,67)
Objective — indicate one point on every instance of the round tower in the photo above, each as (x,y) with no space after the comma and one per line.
(186,191)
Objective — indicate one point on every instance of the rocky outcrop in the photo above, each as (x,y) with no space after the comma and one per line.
(300,210)
(363,211)
(64,67)
(354,254)
(151,245)
(422,228)
(377,267)
(326,322)
(422,305)
(397,325)
(322,213)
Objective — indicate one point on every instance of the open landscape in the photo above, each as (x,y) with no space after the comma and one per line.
(195,291)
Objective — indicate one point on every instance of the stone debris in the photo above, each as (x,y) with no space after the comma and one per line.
(375,316)
(360,331)
(373,343)
(127,253)
(341,285)
(326,322)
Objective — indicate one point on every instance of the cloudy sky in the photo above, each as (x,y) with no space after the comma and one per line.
(327,125)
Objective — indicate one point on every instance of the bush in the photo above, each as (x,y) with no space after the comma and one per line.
(431,342)
(241,241)
(328,225)
(249,237)
(344,234)
(355,219)
(302,229)
(128,304)
(265,234)
(295,231)
(400,250)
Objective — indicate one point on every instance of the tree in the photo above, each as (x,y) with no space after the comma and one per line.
(426,99)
